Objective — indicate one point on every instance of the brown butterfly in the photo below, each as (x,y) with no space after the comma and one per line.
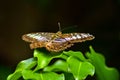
(55,42)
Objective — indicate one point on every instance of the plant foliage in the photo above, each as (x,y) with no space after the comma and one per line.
(68,65)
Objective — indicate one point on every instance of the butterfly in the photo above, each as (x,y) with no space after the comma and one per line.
(55,42)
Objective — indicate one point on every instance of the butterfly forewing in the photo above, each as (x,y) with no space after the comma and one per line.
(77,37)
(38,37)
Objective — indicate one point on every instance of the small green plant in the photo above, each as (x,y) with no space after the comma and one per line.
(68,65)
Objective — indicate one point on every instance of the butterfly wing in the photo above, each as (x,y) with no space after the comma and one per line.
(66,40)
(38,39)
(54,42)
(58,44)
(77,37)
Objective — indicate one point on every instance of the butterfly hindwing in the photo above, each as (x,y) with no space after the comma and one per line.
(58,44)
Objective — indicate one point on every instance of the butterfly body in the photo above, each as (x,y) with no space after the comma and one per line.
(55,42)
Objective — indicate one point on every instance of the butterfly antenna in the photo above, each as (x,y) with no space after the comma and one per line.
(59,26)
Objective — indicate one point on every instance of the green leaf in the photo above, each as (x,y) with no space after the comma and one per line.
(102,71)
(80,70)
(25,64)
(77,54)
(59,65)
(29,74)
(15,76)
(68,76)
(43,59)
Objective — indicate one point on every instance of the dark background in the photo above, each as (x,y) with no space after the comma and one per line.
(98,17)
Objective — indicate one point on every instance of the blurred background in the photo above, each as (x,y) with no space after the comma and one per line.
(98,17)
